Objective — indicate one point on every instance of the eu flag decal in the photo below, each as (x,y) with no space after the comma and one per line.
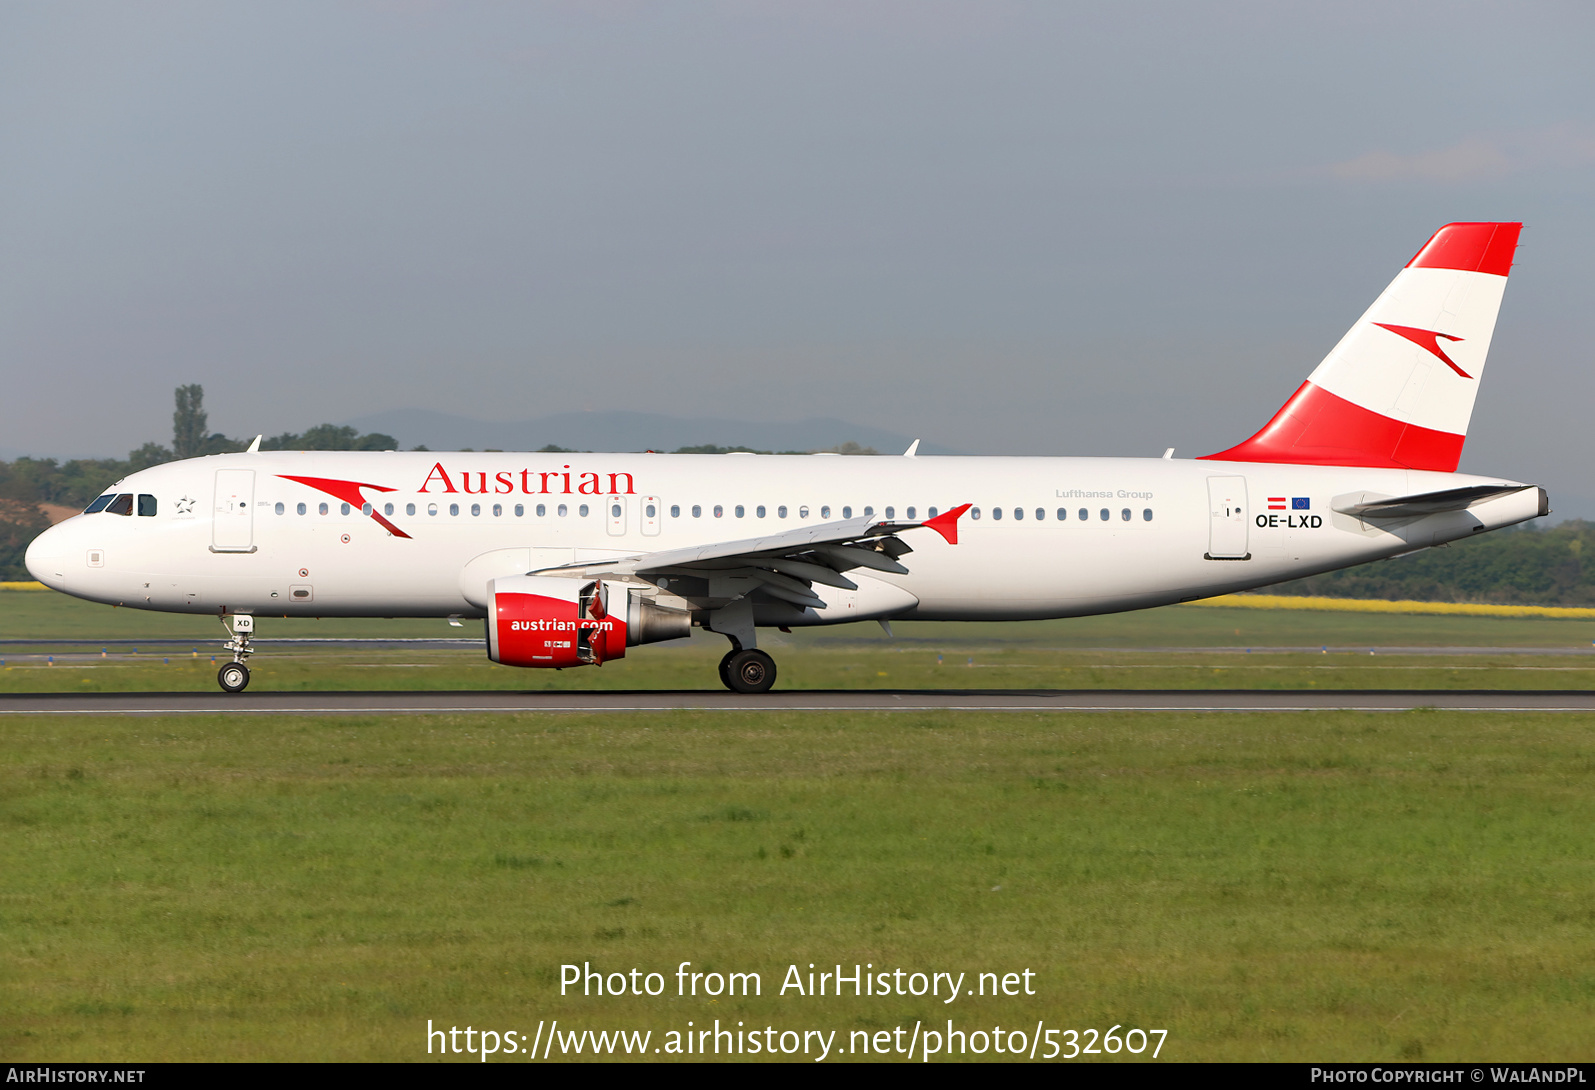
(1300,503)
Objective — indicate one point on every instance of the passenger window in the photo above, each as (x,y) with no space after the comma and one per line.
(122,505)
(780,512)
(1105,514)
(847,512)
(996,512)
(1146,516)
(582,511)
(739,510)
(387,509)
(365,509)
(697,511)
(343,509)
(930,514)
(99,503)
(409,509)
(476,510)
(300,509)
(1018,513)
(1084,515)
(542,510)
(869,512)
(803,512)
(282,509)
(891,512)
(910,513)
(561,510)
(1041,514)
(675,510)
(431,508)
(719,512)
(146,506)
(322,509)
(454,509)
(498,510)
(520,510)
(759,510)
(1125,514)
(1063,514)
(974,512)
(825,511)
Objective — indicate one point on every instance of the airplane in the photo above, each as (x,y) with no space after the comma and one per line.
(571,559)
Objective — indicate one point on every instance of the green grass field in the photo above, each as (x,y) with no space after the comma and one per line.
(1264,887)
(1332,886)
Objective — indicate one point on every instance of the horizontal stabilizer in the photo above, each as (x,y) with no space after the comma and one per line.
(1362,505)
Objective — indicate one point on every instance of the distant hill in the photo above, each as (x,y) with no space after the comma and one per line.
(622,431)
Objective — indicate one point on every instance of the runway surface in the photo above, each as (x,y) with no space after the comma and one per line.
(982,700)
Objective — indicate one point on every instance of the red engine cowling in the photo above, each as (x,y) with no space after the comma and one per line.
(539,620)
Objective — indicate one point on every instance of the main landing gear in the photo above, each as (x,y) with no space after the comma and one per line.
(750,671)
(234,677)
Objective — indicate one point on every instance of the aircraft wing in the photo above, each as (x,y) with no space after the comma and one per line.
(786,565)
(1366,506)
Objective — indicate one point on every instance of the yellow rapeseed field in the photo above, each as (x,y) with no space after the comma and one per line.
(1374,605)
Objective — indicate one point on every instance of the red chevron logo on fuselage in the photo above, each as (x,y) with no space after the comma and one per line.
(1427,339)
(349,492)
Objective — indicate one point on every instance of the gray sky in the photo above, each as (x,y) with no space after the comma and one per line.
(1009,228)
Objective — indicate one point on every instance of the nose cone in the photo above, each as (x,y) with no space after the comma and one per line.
(46,558)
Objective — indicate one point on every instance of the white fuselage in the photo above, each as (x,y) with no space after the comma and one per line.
(228,536)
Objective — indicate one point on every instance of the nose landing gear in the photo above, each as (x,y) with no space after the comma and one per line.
(234,677)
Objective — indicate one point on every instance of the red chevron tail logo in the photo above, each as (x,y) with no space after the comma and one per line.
(1427,339)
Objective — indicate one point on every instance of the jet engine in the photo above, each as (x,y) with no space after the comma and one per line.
(550,621)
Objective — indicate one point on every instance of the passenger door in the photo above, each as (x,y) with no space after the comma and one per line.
(1227,519)
(233,514)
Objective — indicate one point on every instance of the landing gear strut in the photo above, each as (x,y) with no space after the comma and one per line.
(234,677)
(750,671)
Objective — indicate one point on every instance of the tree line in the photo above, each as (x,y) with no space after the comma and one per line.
(74,483)
(1520,565)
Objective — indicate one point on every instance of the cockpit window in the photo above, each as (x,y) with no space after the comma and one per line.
(122,505)
(146,506)
(99,503)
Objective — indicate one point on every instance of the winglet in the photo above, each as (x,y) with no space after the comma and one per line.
(946,523)
(913,449)
(254,448)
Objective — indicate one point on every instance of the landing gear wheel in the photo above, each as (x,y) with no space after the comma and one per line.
(725,668)
(750,672)
(233,678)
